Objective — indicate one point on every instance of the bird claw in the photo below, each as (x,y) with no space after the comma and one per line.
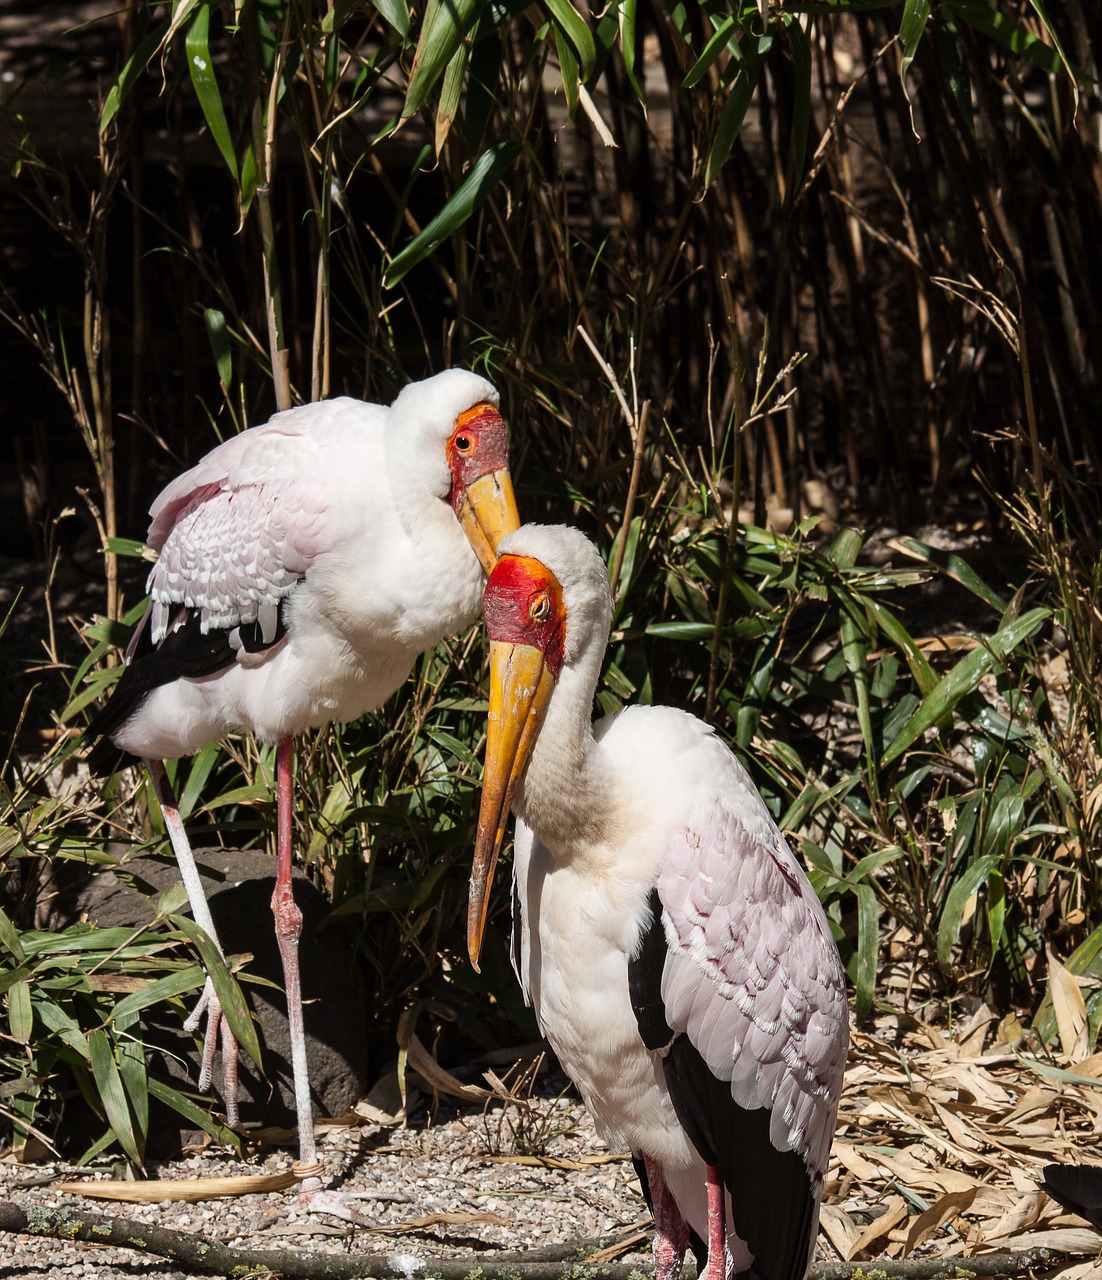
(335,1203)
(217,1021)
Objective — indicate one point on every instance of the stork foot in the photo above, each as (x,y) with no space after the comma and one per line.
(315,1197)
(218,1026)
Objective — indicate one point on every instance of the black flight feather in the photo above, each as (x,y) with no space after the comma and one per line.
(185,653)
(1078,1187)
(772,1206)
(645,979)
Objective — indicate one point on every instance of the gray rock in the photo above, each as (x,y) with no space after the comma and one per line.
(239,888)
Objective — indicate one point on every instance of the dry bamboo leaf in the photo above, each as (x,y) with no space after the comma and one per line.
(839,1229)
(878,1229)
(1083,1271)
(917,1177)
(851,1159)
(960,1131)
(1077,1242)
(1020,1217)
(420,1060)
(376,1115)
(936,1216)
(1070,1010)
(189,1189)
(967,1158)
(1035,1099)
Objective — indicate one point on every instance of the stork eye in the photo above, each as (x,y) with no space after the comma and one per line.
(539,609)
(463,444)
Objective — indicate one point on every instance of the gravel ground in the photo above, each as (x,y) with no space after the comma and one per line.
(449,1166)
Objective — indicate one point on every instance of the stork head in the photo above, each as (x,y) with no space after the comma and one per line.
(447,431)
(547,607)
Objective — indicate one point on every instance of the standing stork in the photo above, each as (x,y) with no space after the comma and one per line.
(675,954)
(304,565)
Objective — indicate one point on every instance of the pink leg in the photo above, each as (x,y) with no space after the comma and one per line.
(208,1001)
(288,925)
(719,1265)
(671,1234)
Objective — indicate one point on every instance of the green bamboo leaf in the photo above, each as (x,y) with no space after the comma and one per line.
(225,986)
(485,174)
(396,13)
(9,937)
(450,90)
(20,1012)
(626,14)
(55,1019)
(916,14)
(172,984)
(1008,33)
(131,72)
(105,1072)
(721,38)
(868,943)
(1072,72)
(201,765)
(248,180)
(132,1071)
(197,1116)
(1056,1075)
(180,14)
(924,675)
(800,47)
(577,32)
(996,909)
(738,102)
(568,66)
(446,23)
(956,901)
(201,69)
(218,337)
(681,630)
(253,793)
(855,652)
(965,678)
(952,566)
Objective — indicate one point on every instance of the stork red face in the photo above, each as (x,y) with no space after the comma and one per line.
(482,490)
(526,624)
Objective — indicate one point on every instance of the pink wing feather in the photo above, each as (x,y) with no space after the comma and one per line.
(241,528)
(752,975)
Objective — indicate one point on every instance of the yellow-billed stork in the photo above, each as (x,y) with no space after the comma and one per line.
(671,946)
(304,564)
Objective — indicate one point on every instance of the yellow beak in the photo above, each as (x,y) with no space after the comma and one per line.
(520,689)
(489,512)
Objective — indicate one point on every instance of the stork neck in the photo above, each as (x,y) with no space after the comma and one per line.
(566,796)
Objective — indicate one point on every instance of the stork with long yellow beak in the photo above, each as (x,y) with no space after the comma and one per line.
(303,566)
(671,946)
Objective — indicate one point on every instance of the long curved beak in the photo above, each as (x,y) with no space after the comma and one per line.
(487,513)
(520,689)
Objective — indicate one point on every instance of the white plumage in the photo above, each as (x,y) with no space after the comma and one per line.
(303,566)
(671,946)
